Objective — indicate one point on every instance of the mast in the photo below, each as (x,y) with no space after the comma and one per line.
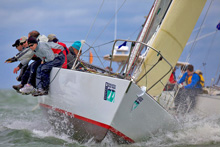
(153,20)
(137,48)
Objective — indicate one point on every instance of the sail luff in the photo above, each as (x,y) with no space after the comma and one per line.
(170,40)
(161,10)
(136,51)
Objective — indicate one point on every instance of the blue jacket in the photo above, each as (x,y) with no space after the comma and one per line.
(195,81)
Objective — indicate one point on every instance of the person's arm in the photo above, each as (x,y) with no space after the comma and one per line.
(16,69)
(48,50)
(24,56)
(182,78)
(55,47)
(48,55)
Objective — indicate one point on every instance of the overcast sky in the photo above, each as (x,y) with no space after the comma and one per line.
(71,20)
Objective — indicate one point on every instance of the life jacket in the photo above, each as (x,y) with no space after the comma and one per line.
(188,79)
(201,79)
(65,52)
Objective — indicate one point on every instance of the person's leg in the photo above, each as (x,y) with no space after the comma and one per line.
(22,71)
(178,98)
(31,78)
(46,69)
(26,89)
(43,75)
(38,77)
(181,100)
(194,92)
(33,70)
(23,77)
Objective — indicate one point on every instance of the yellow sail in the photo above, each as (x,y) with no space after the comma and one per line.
(170,40)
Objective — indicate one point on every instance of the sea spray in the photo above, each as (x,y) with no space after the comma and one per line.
(20,126)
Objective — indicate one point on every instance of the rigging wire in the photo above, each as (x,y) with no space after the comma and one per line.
(95,51)
(217,74)
(207,54)
(94,20)
(108,23)
(196,37)
(91,46)
(116,4)
(96,38)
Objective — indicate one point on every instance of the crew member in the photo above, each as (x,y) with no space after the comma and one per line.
(192,88)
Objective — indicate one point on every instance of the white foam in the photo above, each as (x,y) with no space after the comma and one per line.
(194,131)
(51,133)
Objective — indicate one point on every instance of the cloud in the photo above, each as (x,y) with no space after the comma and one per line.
(71,20)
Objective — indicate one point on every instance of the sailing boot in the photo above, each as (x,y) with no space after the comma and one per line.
(40,92)
(17,87)
(27,89)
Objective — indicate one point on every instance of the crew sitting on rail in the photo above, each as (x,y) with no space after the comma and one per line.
(49,59)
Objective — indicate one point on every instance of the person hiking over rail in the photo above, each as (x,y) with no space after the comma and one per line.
(49,59)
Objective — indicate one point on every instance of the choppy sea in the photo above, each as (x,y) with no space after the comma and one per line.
(22,124)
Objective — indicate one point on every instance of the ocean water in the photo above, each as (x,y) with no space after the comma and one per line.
(22,124)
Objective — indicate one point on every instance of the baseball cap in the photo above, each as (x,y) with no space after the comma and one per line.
(23,39)
(51,37)
(17,42)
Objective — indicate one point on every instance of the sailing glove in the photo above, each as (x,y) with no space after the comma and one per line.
(10,60)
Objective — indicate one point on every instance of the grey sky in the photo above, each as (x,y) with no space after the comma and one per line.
(71,20)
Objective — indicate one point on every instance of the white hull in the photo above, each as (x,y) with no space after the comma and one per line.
(205,104)
(208,105)
(82,98)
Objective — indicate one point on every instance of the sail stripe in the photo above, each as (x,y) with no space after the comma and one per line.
(174,38)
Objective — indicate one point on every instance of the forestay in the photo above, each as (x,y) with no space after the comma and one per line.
(154,18)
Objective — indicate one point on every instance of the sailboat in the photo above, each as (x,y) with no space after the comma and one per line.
(88,105)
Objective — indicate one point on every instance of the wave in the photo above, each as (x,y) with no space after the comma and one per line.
(21,126)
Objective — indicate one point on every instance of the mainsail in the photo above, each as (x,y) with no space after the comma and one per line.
(154,18)
(170,40)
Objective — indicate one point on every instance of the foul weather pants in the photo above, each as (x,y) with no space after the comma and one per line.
(43,72)
(30,74)
(183,94)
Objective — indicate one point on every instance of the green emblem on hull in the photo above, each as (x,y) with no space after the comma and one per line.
(137,102)
(109,94)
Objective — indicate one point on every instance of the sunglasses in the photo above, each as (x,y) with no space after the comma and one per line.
(30,45)
(22,43)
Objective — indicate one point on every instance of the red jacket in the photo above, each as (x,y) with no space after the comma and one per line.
(172,79)
(65,52)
